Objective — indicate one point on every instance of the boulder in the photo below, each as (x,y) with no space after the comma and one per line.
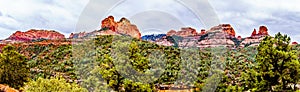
(4,88)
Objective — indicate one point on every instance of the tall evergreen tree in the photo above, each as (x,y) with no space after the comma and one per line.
(278,67)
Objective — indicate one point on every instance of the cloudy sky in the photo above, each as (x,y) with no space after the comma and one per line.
(151,16)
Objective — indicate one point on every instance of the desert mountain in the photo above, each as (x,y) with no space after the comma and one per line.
(110,27)
(34,34)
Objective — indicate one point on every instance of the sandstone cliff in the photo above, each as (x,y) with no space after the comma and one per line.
(227,28)
(184,32)
(34,34)
(110,27)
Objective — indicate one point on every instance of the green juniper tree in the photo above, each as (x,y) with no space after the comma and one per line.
(14,70)
(277,67)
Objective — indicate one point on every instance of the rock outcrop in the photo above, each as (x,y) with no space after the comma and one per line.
(184,32)
(109,23)
(227,28)
(294,43)
(4,88)
(110,27)
(34,34)
(125,27)
(263,31)
(203,32)
(253,33)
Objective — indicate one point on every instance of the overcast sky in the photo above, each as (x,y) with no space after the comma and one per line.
(151,16)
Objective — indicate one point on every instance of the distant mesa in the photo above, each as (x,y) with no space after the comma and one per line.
(188,31)
(219,35)
(110,27)
(294,43)
(34,34)
(184,32)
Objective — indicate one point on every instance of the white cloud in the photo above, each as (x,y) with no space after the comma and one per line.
(63,15)
(42,14)
(278,15)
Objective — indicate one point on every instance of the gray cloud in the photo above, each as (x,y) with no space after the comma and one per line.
(245,15)
(85,15)
(0,13)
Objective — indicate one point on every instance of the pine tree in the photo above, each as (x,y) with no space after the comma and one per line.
(14,70)
(278,65)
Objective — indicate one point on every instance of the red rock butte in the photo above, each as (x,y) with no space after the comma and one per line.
(263,31)
(294,43)
(34,34)
(227,28)
(123,26)
(111,27)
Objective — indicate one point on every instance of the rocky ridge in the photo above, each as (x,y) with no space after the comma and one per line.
(220,35)
(34,34)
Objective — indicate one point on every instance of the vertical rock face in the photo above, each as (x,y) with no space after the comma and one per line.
(263,30)
(35,35)
(110,27)
(227,28)
(125,27)
(109,23)
(253,33)
(184,32)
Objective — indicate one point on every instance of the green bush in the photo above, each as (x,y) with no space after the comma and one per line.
(52,85)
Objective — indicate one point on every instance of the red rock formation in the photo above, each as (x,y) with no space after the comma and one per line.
(171,33)
(4,88)
(122,27)
(184,32)
(109,23)
(239,38)
(125,27)
(294,43)
(35,35)
(225,28)
(202,32)
(253,33)
(263,30)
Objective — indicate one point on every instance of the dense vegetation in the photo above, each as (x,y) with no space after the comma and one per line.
(122,63)
(14,70)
